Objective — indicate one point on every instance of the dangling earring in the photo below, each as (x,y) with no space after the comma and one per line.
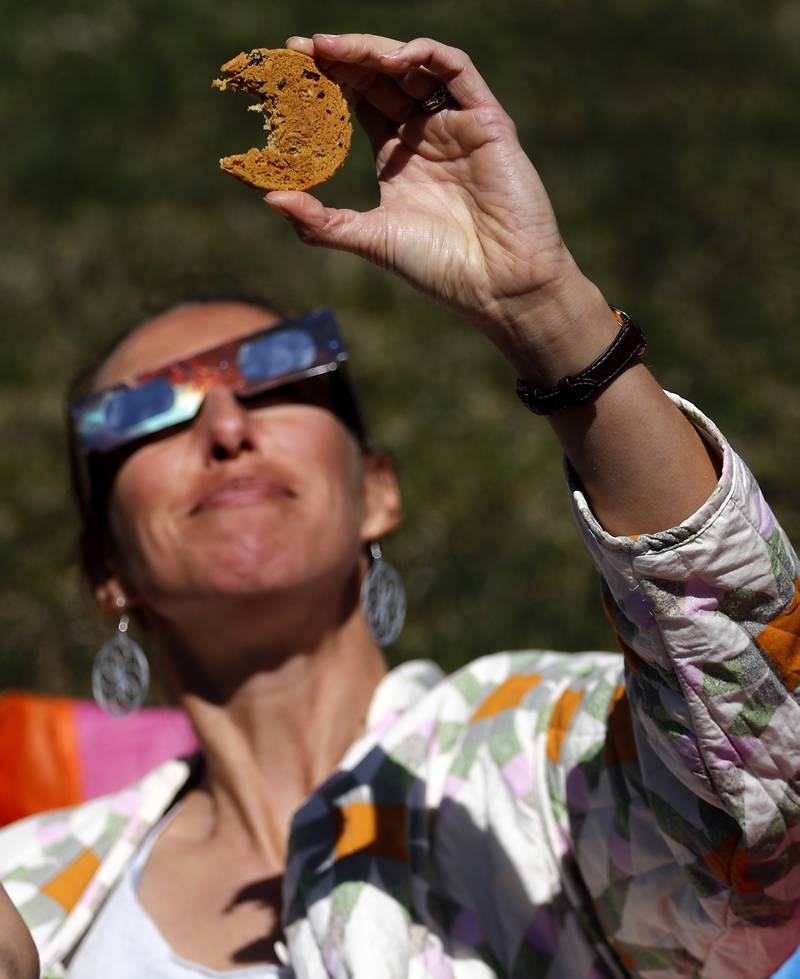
(383,599)
(121,673)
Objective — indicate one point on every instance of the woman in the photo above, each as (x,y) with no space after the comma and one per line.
(527,817)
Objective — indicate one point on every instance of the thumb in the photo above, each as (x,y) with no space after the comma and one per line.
(331,227)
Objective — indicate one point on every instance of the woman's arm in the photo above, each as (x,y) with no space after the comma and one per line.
(696,762)
(18,958)
(464,217)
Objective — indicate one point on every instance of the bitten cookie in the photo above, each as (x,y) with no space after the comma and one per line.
(306,120)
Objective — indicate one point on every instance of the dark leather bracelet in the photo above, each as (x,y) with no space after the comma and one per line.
(574,389)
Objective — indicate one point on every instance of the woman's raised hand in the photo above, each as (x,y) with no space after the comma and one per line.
(463,215)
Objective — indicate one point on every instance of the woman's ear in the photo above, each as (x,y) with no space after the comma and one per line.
(112,596)
(383,510)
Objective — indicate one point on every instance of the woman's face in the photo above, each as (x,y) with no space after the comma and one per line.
(268,498)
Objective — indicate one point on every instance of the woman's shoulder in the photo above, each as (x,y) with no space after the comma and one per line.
(57,865)
(54,852)
(501,679)
(418,706)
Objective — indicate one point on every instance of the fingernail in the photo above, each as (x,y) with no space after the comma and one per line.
(326,37)
(393,54)
(297,37)
(276,205)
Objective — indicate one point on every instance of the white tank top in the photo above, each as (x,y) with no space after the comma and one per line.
(125,943)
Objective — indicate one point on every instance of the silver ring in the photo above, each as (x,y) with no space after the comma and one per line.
(442,98)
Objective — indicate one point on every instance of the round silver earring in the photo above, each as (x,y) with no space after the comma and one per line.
(121,673)
(383,599)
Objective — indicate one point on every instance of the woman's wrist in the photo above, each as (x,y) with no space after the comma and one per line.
(557,331)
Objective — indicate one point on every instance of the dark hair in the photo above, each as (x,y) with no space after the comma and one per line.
(94,539)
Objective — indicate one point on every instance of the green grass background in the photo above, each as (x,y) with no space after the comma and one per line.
(668,134)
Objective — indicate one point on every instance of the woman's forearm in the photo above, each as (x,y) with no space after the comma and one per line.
(643,466)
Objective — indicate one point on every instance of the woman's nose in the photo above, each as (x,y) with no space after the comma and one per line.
(225,424)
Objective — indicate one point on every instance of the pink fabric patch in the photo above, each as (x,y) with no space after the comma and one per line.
(383,723)
(518,774)
(426,729)
(745,746)
(701,597)
(619,849)
(452,786)
(115,751)
(49,833)
(691,675)
(766,521)
(638,610)
(437,965)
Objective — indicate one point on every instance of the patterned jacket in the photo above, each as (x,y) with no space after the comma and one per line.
(536,814)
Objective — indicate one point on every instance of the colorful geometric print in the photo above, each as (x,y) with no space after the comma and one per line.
(59,867)
(537,815)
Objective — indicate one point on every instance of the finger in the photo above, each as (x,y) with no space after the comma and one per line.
(305,45)
(419,83)
(379,91)
(413,62)
(367,50)
(302,44)
(450,65)
(389,96)
(364,49)
(329,227)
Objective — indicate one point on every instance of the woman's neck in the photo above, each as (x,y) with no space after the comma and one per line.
(279,733)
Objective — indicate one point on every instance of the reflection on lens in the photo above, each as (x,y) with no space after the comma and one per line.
(129,408)
(273,354)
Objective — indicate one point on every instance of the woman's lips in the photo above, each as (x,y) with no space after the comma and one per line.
(242,491)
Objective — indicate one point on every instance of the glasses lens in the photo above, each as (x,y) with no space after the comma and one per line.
(272,355)
(130,408)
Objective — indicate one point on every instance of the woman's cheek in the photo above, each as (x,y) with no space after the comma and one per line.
(140,501)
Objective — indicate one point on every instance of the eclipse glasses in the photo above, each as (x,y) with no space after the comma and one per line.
(288,352)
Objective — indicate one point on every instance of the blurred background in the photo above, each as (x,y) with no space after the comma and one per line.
(668,134)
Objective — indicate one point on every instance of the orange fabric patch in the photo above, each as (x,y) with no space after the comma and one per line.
(780,640)
(730,864)
(622,952)
(620,745)
(379,830)
(506,696)
(68,886)
(625,956)
(560,720)
(38,755)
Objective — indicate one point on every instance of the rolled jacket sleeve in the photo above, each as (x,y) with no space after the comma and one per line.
(708,618)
